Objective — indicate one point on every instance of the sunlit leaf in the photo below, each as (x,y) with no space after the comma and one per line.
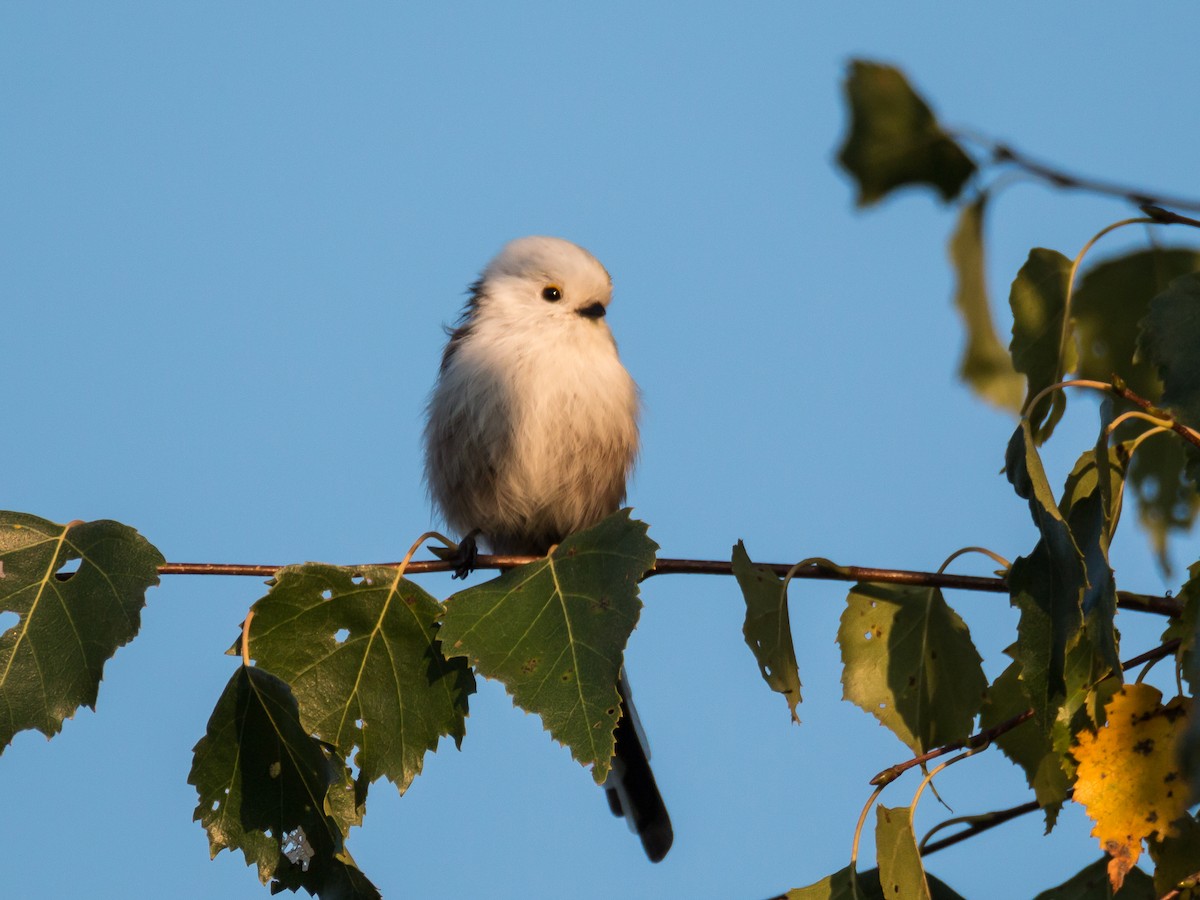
(1042,348)
(262,783)
(1091,883)
(767,629)
(1170,338)
(1128,777)
(1026,745)
(894,139)
(900,871)
(840,886)
(361,651)
(52,658)
(986,365)
(909,661)
(554,632)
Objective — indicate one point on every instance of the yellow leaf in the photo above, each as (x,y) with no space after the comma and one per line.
(1128,777)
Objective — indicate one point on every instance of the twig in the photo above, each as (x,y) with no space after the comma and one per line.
(1165,606)
(1003,153)
(991,820)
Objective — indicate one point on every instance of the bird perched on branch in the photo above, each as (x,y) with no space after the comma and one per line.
(532,433)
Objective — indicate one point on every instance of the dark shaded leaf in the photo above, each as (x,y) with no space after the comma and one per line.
(1108,306)
(52,659)
(1176,857)
(262,783)
(1047,586)
(1026,745)
(900,871)
(1167,501)
(909,661)
(839,886)
(361,651)
(1169,339)
(986,365)
(1042,348)
(1091,883)
(1185,629)
(554,632)
(894,139)
(767,630)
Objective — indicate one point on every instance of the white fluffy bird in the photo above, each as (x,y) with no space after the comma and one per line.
(531,435)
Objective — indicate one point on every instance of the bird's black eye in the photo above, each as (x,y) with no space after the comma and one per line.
(552,292)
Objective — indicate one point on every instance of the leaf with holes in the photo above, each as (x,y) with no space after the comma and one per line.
(986,364)
(1042,346)
(361,650)
(263,784)
(842,886)
(909,661)
(900,871)
(554,632)
(767,630)
(52,658)
(894,139)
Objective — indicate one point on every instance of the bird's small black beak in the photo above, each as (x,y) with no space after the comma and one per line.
(593,311)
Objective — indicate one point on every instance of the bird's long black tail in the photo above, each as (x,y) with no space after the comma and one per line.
(632,791)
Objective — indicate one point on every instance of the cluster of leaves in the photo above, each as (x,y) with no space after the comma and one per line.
(358,674)
(1060,710)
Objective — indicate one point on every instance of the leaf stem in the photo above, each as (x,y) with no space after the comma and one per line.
(246,637)
(995,557)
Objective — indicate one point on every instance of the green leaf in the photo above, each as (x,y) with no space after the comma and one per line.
(1167,501)
(52,659)
(909,661)
(894,139)
(839,886)
(1170,336)
(361,651)
(1177,857)
(1108,306)
(900,871)
(262,783)
(1047,586)
(1186,629)
(554,632)
(986,365)
(1041,346)
(1091,883)
(1027,746)
(767,630)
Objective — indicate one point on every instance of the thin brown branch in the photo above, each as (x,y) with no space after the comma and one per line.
(1003,153)
(982,824)
(1165,606)
(1182,430)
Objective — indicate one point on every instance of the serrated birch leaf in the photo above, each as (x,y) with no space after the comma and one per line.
(1026,745)
(1107,309)
(361,650)
(909,661)
(986,365)
(841,886)
(554,632)
(1128,777)
(1042,345)
(894,139)
(900,871)
(1091,883)
(1047,586)
(263,782)
(52,659)
(1176,857)
(767,630)
(1170,336)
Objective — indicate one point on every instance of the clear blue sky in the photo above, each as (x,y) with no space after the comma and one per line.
(230,234)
